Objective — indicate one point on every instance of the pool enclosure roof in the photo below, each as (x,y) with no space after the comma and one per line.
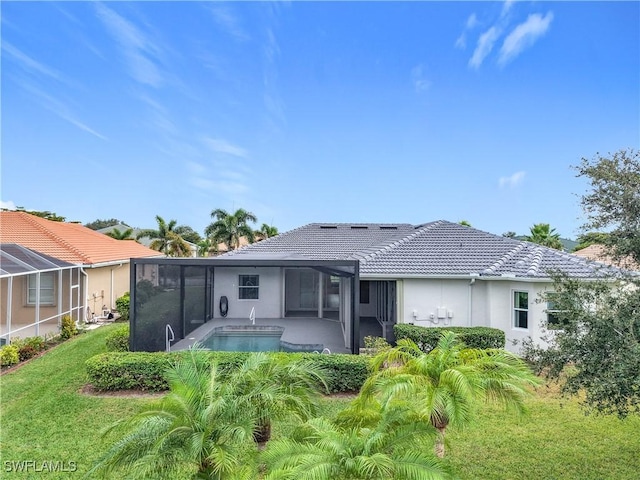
(342,268)
(18,260)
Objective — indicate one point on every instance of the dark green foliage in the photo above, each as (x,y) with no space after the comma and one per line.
(122,306)
(474,337)
(145,371)
(68,328)
(118,340)
(99,224)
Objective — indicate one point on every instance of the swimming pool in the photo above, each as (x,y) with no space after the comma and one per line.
(253,338)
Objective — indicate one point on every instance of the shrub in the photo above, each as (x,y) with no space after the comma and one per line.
(68,328)
(9,355)
(122,306)
(118,340)
(474,337)
(145,371)
(374,345)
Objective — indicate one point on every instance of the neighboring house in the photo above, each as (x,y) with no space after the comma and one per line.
(146,241)
(439,273)
(103,261)
(597,253)
(37,290)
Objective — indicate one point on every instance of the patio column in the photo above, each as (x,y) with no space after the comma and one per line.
(320,294)
(9,307)
(37,319)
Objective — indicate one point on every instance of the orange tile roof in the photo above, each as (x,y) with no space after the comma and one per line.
(598,253)
(67,241)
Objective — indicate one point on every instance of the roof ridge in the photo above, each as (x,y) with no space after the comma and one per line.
(43,228)
(502,260)
(392,244)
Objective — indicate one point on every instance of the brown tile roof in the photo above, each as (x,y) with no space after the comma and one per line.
(67,241)
(597,253)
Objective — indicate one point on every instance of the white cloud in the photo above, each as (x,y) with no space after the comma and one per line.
(136,46)
(512,181)
(484,47)
(227,20)
(8,205)
(419,79)
(29,63)
(524,36)
(506,6)
(219,145)
(472,21)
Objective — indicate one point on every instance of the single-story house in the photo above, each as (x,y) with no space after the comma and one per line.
(146,241)
(103,262)
(364,278)
(37,290)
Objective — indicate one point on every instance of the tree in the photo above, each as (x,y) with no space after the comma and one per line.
(206,246)
(121,235)
(209,423)
(448,382)
(596,325)
(196,431)
(188,234)
(266,231)
(46,214)
(591,238)
(614,200)
(99,224)
(464,223)
(228,228)
(543,234)
(165,239)
(321,450)
(509,234)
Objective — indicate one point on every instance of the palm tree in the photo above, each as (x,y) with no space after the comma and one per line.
(266,231)
(228,228)
(543,234)
(209,423)
(206,246)
(195,431)
(165,239)
(121,235)
(321,450)
(448,382)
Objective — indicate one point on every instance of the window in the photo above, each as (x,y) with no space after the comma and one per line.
(364,291)
(248,287)
(46,289)
(521,309)
(553,314)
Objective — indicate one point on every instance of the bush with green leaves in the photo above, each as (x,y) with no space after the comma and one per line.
(473,337)
(145,370)
(118,340)
(122,306)
(68,328)
(28,347)
(9,355)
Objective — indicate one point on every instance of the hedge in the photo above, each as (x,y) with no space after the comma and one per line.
(145,371)
(474,337)
(118,340)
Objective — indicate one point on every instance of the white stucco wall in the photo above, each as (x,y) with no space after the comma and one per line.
(491,305)
(269,303)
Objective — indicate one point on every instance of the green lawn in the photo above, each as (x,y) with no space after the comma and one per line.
(44,417)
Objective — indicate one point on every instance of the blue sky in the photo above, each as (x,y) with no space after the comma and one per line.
(315,111)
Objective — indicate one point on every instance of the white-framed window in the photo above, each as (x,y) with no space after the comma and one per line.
(249,287)
(47,290)
(553,319)
(520,309)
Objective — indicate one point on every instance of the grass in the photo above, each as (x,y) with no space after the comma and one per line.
(45,417)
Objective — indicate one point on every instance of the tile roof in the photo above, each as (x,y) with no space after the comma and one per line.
(71,242)
(438,248)
(598,253)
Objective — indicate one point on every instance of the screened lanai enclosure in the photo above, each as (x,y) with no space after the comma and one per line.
(313,305)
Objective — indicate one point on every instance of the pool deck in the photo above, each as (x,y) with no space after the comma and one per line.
(297,330)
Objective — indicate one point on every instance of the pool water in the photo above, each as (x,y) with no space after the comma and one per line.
(252,338)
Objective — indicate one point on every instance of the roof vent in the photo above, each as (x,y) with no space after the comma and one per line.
(333,227)
(359,227)
(388,227)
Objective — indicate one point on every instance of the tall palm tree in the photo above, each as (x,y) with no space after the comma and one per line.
(266,231)
(228,228)
(206,246)
(121,235)
(543,234)
(196,431)
(448,382)
(165,239)
(321,450)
